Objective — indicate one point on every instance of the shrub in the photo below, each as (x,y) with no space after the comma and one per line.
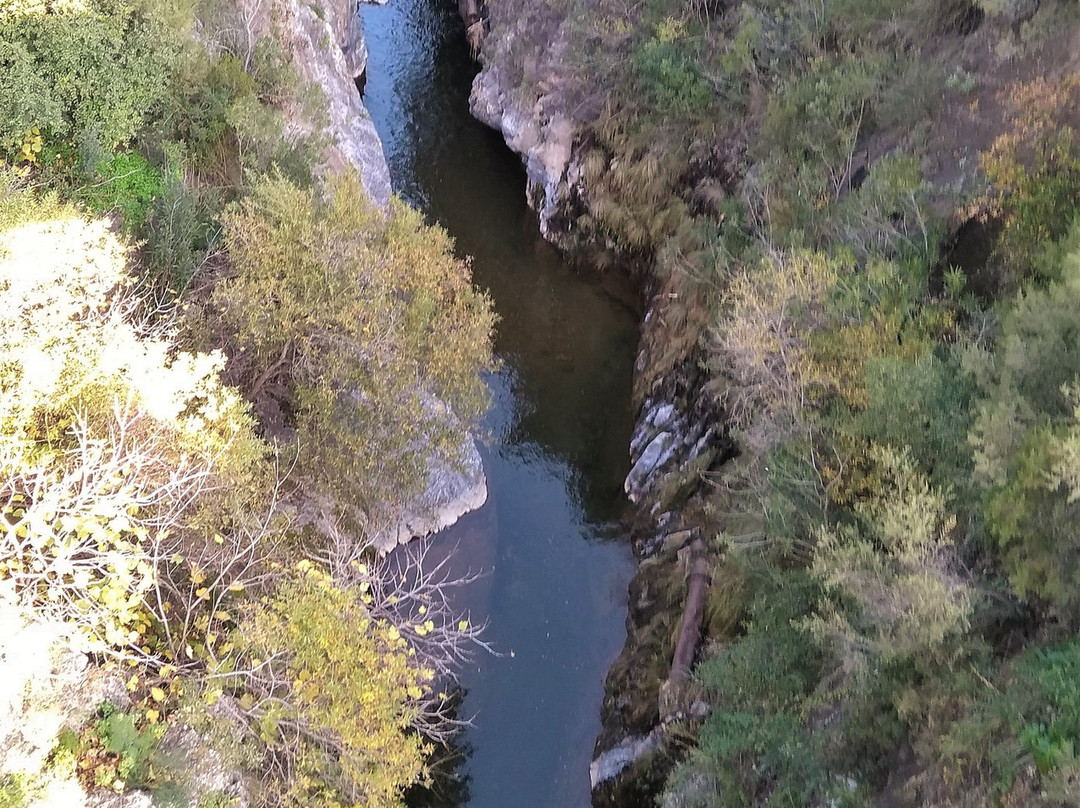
(925,406)
(1021,437)
(671,80)
(127,184)
(1031,714)
(332,692)
(133,748)
(899,592)
(358,323)
(66,71)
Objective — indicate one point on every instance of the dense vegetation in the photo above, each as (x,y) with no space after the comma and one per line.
(894,607)
(221,374)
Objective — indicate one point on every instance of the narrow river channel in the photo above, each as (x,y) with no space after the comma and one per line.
(557,571)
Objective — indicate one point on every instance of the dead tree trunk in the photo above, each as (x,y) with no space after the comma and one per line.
(698,578)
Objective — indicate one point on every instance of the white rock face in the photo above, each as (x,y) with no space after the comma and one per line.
(327,42)
(450,494)
(538,131)
(615,761)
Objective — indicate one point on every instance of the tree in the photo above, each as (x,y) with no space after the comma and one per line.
(896,568)
(115,448)
(80,69)
(332,693)
(1023,436)
(360,329)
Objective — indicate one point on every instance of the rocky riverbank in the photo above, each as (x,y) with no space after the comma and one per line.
(530,94)
(610,180)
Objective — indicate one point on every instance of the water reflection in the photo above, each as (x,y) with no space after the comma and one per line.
(559,427)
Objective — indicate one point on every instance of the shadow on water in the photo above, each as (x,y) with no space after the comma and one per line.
(554,596)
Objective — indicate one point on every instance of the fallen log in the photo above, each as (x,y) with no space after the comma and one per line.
(698,578)
(676,691)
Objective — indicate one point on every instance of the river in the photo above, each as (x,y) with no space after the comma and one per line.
(556,568)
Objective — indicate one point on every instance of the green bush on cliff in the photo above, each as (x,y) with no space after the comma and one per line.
(362,327)
(83,67)
(1024,438)
(332,693)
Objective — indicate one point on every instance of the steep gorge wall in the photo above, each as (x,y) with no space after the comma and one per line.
(528,90)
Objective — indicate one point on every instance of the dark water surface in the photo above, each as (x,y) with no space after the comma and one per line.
(559,429)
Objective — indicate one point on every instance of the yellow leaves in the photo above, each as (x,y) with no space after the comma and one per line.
(30,146)
(670,29)
(153,716)
(463,625)
(425,628)
(157,694)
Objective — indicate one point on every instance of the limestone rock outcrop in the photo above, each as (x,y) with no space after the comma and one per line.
(326,38)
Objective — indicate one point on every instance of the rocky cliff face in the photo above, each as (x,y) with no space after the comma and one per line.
(326,38)
(531,108)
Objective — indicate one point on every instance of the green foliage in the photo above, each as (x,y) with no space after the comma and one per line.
(778,662)
(750,761)
(925,406)
(127,184)
(1032,713)
(333,694)
(177,234)
(12,791)
(1035,171)
(133,747)
(366,322)
(226,111)
(216,799)
(66,71)
(1017,436)
(671,79)
(896,569)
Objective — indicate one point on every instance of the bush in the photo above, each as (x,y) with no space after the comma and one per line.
(1031,714)
(332,692)
(69,71)
(357,324)
(127,184)
(1020,434)
(133,748)
(671,80)
(924,406)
